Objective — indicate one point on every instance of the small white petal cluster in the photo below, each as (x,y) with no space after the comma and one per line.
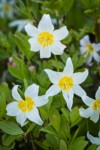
(26,109)
(94,140)
(91,49)
(67,81)
(45,39)
(20,23)
(93,109)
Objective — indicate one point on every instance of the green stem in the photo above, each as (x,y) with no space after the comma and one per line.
(57,64)
(33,147)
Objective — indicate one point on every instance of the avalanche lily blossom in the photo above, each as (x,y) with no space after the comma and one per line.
(45,39)
(67,82)
(94,140)
(26,109)
(93,109)
(7,8)
(90,49)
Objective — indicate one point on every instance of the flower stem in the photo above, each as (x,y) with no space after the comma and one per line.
(57,64)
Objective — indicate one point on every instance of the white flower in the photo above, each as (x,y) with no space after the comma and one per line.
(45,39)
(19,23)
(27,108)
(90,49)
(6,8)
(67,82)
(94,140)
(93,110)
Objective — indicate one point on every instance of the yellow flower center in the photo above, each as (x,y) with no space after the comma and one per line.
(96,105)
(45,39)
(89,48)
(7,8)
(66,83)
(27,105)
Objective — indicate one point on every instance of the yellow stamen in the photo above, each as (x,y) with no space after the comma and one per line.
(89,48)
(7,8)
(96,105)
(45,39)
(66,83)
(27,105)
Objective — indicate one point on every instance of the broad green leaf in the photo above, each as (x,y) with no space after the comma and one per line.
(2,104)
(78,144)
(74,116)
(4,89)
(64,128)
(23,45)
(92,147)
(63,145)
(10,127)
(8,139)
(54,118)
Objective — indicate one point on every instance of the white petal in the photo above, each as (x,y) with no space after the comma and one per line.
(88,62)
(53,90)
(32,91)
(61,33)
(80,77)
(34,116)
(86,113)
(68,98)
(93,140)
(84,41)
(98,148)
(45,53)
(53,75)
(40,101)
(98,93)
(79,91)
(96,57)
(96,47)
(21,118)
(87,100)
(31,30)
(68,70)
(34,44)
(12,109)
(94,116)
(15,93)
(82,50)
(45,24)
(57,48)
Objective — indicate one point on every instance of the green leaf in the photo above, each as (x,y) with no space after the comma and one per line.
(4,89)
(64,128)
(23,45)
(74,116)
(54,118)
(92,147)
(2,104)
(11,128)
(8,139)
(78,144)
(63,145)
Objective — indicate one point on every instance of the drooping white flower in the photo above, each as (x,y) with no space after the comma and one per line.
(6,8)
(20,23)
(90,49)
(45,39)
(26,109)
(93,109)
(67,82)
(94,140)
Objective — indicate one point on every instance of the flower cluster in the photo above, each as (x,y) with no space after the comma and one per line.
(47,40)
